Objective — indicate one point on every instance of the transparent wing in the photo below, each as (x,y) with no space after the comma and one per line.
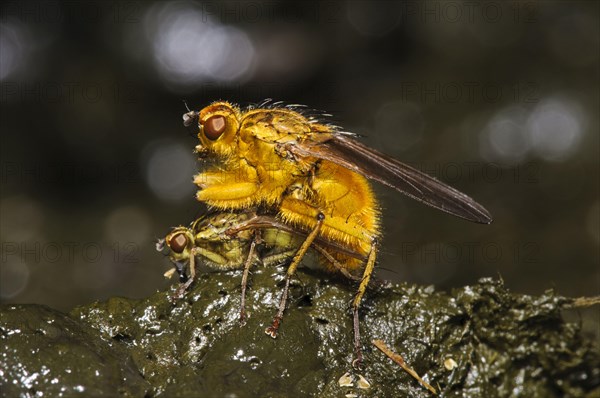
(353,155)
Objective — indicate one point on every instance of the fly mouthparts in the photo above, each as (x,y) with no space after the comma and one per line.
(160,245)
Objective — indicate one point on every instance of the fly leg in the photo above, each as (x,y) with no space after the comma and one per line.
(272,330)
(335,263)
(356,303)
(184,286)
(247,266)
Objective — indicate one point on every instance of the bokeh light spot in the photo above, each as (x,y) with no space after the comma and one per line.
(505,138)
(189,47)
(127,224)
(555,129)
(168,170)
(11,49)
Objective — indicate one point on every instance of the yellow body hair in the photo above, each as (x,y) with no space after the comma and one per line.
(257,171)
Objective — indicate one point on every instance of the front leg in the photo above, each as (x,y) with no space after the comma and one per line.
(183,286)
(228,189)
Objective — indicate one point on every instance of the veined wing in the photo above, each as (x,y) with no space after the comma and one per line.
(355,156)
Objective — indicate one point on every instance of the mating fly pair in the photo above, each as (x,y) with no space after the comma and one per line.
(312,178)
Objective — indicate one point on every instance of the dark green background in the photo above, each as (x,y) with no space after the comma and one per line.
(500,99)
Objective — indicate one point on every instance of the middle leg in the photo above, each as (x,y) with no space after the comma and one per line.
(272,330)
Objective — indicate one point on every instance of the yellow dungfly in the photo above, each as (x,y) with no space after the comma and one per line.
(314,177)
(226,241)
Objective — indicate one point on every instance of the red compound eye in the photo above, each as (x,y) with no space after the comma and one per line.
(178,243)
(214,126)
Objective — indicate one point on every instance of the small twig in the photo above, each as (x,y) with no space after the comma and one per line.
(400,361)
(583,302)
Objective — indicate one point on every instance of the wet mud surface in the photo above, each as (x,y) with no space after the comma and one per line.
(477,341)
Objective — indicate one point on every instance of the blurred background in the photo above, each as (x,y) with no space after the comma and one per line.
(499,99)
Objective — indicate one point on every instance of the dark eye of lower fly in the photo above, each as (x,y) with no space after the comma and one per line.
(214,127)
(178,243)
